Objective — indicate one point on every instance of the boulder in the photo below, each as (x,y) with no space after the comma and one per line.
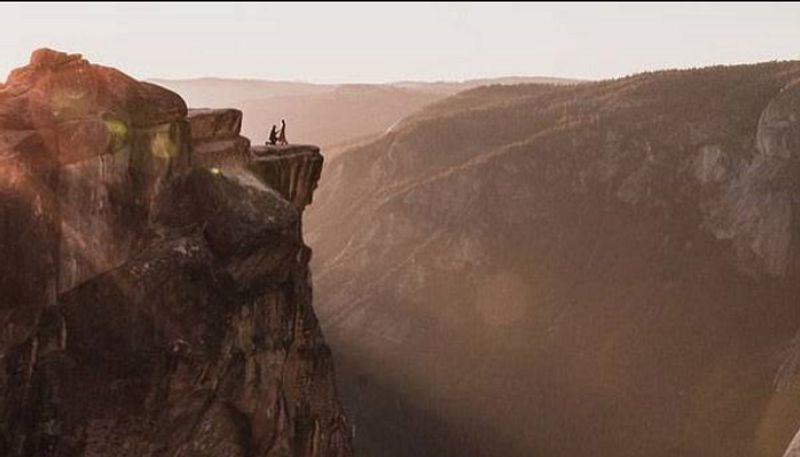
(214,124)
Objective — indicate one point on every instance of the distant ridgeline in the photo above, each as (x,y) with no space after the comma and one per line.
(154,290)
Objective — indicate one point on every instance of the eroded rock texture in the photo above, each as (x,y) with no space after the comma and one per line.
(154,292)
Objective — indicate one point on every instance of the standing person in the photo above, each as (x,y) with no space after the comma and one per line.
(273,135)
(282,135)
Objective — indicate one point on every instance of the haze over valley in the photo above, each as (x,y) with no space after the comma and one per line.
(333,116)
(400,230)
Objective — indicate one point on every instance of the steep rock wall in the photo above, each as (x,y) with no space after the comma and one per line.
(758,199)
(155,295)
(612,264)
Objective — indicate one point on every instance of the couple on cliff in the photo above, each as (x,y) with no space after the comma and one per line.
(276,137)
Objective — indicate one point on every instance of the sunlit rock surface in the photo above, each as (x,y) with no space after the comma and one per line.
(155,297)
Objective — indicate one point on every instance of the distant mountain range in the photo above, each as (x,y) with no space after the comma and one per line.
(328,115)
(604,269)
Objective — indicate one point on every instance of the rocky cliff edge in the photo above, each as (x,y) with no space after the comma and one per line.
(155,297)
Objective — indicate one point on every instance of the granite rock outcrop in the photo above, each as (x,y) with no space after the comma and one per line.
(155,295)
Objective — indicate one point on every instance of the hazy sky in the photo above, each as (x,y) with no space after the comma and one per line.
(389,42)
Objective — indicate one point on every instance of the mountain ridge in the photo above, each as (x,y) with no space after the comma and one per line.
(590,252)
(325,114)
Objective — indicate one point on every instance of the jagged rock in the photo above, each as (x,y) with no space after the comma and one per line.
(760,203)
(88,124)
(151,305)
(230,153)
(53,90)
(214,124)
(257,240)
(51,58)
(291,170)
(215,139)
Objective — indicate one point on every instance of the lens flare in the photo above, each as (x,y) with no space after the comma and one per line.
(117,128)
(162,146)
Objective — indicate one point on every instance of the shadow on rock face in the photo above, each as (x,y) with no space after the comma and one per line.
(156,299)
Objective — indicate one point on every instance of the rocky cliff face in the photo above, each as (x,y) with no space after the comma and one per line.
(155,296)
(604,269)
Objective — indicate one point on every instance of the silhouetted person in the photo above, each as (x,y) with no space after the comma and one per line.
(282,134)
(273,135)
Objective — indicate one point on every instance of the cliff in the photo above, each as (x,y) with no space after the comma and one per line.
(614,266)
(155,290)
